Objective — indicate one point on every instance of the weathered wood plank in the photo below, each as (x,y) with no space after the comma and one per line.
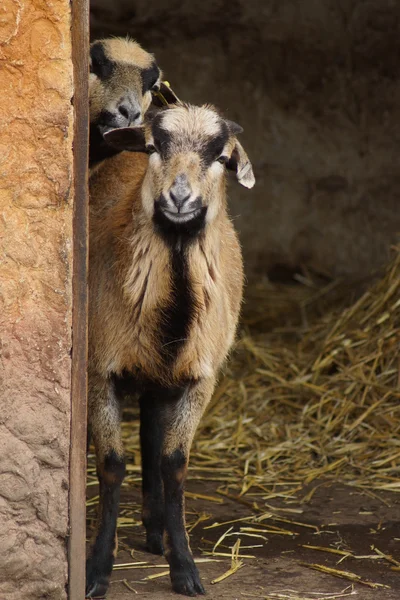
(77,513)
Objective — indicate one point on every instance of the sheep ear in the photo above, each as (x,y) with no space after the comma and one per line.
(233,127)
(126,138)
(164,96)
(240,163)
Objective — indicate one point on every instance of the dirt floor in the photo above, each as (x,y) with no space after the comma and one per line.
(356,525)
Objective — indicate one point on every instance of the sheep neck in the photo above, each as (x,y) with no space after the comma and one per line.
(172,275)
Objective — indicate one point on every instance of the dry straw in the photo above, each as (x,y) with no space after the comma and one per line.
(316,399)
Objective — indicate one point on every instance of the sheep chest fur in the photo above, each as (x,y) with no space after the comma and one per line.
(165,284)
(159,291)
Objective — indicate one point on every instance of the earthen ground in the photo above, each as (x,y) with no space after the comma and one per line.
(347,518)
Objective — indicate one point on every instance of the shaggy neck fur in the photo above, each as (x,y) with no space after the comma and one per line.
(172,274)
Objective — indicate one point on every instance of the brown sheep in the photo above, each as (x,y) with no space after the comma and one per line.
(122,78)
(165,284)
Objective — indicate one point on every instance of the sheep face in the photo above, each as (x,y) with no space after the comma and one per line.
(122,76)
(189,150)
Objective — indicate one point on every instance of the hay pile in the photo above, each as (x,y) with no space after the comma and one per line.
(319,398)
(312,391)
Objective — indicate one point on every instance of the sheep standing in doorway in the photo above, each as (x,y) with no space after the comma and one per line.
(166,279)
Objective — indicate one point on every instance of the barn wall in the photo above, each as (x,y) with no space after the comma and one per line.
(315,84)
(35,296)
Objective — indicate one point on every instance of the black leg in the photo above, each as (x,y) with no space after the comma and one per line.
(185,577)
(181,416)
(169,418)
(151,433)
(104,416)
(100,562)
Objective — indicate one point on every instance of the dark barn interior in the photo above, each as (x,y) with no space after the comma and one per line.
(295,468)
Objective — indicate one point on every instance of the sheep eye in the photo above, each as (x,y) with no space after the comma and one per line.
(150,149)
(222,159)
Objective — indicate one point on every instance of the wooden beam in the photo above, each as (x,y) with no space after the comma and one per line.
(77,495)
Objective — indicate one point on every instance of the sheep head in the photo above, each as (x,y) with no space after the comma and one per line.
(189,150)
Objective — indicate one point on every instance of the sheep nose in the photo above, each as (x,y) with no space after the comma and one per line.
(129,113)
(179,197)
(180,192)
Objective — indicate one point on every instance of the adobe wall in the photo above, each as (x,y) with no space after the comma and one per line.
(316,86)
(35,296)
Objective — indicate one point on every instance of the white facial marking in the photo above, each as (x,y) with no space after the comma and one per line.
(216,168)
(155,158)
(211,124)
(188,121)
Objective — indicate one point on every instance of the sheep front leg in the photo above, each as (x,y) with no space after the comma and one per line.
(104,415)
(151,432)
(181,419)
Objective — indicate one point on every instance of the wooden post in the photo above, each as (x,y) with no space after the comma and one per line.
(77,497)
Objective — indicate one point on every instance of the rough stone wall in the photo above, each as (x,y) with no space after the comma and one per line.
(35,296)
(316,86)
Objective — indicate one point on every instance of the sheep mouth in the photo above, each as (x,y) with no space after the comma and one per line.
(177,217)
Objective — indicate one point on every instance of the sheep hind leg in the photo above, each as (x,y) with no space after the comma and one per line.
(105,425)
(181,419)
(152,487)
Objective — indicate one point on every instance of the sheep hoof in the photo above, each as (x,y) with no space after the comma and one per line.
(96,583)
(186,579)
(96,589)
(154,543)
